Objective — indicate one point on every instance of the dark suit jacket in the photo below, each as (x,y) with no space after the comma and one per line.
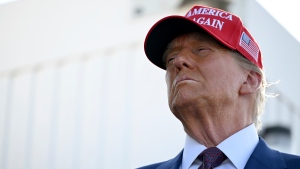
(262,158)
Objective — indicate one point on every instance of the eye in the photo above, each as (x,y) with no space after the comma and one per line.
(170,59)
(201,48)
(171,56)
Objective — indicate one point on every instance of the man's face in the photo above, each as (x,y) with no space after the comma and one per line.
(199,71)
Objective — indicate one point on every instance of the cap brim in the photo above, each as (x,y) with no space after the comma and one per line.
(164,31)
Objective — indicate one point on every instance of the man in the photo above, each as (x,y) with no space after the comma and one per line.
(216,88)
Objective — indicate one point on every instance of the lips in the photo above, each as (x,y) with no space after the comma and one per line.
(183,78)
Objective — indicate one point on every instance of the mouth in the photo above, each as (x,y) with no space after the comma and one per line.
(184,79)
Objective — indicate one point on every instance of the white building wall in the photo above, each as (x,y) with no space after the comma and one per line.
(92,112)
(281,63)
(77,91)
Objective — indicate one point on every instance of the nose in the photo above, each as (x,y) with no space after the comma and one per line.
(182,61)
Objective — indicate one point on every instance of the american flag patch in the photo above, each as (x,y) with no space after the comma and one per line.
(249,46)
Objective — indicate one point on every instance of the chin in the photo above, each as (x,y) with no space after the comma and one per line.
(182,102)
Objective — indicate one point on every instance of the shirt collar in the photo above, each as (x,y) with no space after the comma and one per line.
(191,151)
(238,147)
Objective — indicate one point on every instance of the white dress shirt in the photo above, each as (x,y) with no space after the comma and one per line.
(237,148)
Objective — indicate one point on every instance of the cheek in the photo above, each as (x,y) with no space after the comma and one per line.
(168,81)
(227,81)
(219,79)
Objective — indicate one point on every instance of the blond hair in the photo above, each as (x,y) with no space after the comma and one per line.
(261,95)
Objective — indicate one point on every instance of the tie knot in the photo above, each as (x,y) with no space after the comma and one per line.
(211,157)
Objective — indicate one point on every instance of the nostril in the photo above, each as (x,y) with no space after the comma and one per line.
(177,68)
(185,65)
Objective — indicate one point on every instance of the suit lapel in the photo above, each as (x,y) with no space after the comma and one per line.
(262,157)
(173,163)
(265,158)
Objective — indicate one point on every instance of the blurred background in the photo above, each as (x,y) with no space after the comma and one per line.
(77,91)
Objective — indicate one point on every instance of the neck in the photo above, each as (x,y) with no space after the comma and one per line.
(214,124)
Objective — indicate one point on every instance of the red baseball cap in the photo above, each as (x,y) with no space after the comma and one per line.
(225,27)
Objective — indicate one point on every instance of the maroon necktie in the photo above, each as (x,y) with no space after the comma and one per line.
(211,158)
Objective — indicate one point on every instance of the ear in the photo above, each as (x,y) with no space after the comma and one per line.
(251,83)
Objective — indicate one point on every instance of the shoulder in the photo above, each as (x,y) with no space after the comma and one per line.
(172,163)
(292,161)
(175,162)
(151,166)
(265,157)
